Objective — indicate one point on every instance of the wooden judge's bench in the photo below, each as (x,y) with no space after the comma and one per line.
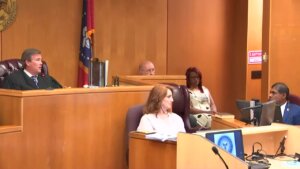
(76,128)
(66,128)
(71,128)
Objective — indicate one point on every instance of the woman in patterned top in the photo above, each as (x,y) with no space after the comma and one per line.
(202,103)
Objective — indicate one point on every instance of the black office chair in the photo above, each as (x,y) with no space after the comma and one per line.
(9,66)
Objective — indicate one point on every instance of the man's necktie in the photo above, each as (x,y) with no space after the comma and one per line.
(34,78)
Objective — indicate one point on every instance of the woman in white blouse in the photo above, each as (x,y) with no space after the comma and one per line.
(158,116)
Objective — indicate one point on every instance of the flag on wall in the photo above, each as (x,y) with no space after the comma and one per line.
(86,41)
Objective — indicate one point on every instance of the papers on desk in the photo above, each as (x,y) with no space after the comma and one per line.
(161,137)
(291,164)
(224,115)
(146,132)
(285,163)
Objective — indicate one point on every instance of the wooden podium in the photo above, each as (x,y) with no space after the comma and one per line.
(151,154)
(194,152)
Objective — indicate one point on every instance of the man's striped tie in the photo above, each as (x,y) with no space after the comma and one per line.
(35,79)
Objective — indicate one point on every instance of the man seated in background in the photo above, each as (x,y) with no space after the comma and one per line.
(30,77)
(146,68)
(290,112)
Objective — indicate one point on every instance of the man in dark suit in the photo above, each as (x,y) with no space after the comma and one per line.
(290,112)
(30,77)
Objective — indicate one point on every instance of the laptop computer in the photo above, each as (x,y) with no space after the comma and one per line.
(229,140)
(232,142)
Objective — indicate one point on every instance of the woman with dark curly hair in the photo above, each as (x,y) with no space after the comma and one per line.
(158,116)
(202,103)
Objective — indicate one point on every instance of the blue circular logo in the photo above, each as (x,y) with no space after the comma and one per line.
(226,143)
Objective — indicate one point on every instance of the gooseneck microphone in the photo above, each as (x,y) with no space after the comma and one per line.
(216,151)
(255,115)
(252,107)
(281,147)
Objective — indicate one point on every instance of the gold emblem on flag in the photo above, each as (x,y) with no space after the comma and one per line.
(8,12)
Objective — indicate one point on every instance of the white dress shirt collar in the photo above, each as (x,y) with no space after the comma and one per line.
(282,108)
(27,73)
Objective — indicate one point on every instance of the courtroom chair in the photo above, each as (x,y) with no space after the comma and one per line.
(181,105)
(9,66)
(133,117)
(294,99)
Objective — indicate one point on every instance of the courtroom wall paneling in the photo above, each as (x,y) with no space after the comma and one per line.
(265,48)
(283,41)
(211,35)
(54,28)
(127,33)
(254,43)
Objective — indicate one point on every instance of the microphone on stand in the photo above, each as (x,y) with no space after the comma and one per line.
(281,147)
(216,151)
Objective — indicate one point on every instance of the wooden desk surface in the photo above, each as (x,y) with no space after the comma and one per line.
(218,123)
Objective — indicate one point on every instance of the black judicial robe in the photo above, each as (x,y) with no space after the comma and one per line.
(19,80)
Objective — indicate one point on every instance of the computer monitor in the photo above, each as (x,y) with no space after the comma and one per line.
(267,113)
(244,114)
(229,140)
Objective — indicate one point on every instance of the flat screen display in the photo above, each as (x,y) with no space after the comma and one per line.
(267,113)
(245,114)
(231,141)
